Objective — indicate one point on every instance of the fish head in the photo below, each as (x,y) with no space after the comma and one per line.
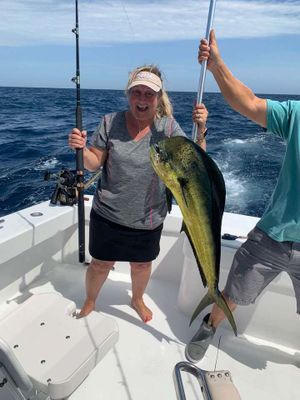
(164,161)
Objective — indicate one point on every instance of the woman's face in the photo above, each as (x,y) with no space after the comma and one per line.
(143,102)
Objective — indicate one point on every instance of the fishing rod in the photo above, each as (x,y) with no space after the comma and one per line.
(79,152)
(210,19)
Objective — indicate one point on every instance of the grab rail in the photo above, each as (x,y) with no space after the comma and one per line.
(215,385)
(195,371)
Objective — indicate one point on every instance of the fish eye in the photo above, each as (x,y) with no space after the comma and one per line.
(156,147)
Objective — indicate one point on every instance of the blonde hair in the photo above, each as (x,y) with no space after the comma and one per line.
(164,108)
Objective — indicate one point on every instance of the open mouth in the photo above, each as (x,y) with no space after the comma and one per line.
(142,108)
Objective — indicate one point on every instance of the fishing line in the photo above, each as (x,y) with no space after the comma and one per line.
(128,19)
(218,348)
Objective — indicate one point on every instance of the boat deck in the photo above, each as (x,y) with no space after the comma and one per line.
(140,367)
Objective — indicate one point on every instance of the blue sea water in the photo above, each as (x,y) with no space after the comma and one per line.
(35,122)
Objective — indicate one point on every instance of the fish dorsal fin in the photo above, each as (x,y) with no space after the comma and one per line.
(185,230)
(169,197)
(218,200)
(183,182)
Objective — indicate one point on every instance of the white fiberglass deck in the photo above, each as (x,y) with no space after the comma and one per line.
(38,253)
(141,364)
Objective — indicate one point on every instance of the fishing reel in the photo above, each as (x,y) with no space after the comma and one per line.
(65,192)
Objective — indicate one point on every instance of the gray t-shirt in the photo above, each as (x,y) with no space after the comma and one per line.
(131,194)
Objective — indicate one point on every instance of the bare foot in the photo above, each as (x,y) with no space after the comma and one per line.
(88,307)
(143,311)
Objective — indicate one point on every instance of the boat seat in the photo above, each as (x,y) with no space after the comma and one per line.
(42,340)
(10,367)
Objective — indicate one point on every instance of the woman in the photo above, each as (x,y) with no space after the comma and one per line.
(128,211)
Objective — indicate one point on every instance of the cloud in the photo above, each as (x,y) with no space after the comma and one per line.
(34,22)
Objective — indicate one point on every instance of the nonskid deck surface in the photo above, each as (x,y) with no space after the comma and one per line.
(140,366)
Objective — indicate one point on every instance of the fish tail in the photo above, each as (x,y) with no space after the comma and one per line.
(221,303)
(206,301)
(218,298)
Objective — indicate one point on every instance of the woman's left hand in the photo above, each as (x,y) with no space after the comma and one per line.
(200,115)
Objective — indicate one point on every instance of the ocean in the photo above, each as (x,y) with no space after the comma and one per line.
(35,122)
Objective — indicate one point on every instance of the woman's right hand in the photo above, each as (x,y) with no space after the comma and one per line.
(77,139)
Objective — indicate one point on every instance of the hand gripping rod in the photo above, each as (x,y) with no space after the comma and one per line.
(210,19)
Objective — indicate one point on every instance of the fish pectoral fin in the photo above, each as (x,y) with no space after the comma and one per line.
(169,197)
(183,183)
(185,230)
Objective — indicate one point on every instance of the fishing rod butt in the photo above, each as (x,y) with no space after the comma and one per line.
(81,226)
(82,257)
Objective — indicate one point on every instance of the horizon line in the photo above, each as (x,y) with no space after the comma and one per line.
(123,90)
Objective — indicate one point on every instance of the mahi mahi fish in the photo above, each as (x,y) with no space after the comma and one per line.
(198,186)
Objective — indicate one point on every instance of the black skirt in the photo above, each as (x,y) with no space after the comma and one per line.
(113,242)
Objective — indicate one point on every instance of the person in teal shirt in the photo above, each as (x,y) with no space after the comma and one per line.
(273,245)
(281,220)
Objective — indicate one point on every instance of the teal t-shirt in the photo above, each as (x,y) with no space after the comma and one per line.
(281,220)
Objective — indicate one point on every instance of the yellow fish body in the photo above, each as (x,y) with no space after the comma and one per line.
(199,189)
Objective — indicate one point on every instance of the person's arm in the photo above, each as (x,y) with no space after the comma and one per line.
(240,97)
(93,157)
(200,115)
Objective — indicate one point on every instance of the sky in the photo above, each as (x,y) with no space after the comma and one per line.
(258,39)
